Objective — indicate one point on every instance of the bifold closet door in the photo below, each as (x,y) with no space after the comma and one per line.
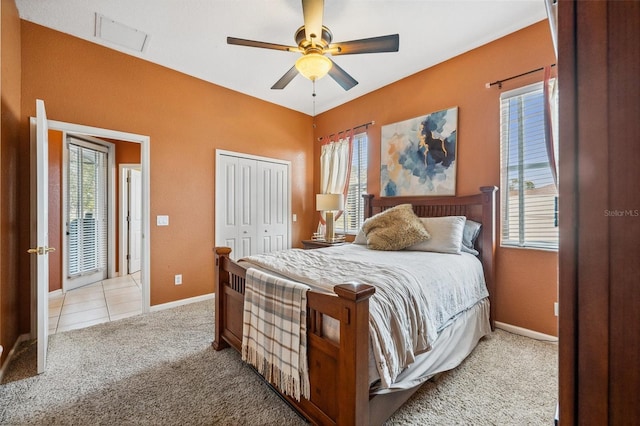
(272,212)
(235,205)
(252,205)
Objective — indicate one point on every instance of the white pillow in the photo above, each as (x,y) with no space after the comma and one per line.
(361,238)
(446,234)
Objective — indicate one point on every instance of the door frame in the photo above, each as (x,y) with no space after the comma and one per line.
(124,208)
(145,161)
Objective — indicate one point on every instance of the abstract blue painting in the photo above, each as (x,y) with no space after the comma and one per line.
(419,155)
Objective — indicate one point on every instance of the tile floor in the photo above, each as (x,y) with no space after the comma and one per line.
(105,301)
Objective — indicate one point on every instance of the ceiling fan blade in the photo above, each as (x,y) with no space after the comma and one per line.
(261,44)
(388,43)
(286,78)
(313,11)
(342,77)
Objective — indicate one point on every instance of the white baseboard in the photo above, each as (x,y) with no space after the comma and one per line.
(526,332)
(181,302)
(21,338)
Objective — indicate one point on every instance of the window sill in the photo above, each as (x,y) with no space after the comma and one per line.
(548,249)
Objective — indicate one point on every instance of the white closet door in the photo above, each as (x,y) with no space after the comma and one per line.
(226,207)
(273,207)
(246,211)
(236,205)
(252,204)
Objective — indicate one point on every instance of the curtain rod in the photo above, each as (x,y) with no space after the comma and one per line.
(370,123)
(499,82)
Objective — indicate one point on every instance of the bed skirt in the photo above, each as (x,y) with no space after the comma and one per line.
(454,343)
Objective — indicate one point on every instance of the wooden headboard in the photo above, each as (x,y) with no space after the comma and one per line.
(479,207)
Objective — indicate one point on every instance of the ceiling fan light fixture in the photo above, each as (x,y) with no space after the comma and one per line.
(313,66)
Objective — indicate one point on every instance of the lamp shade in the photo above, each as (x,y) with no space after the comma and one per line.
(313,66)
(329,202)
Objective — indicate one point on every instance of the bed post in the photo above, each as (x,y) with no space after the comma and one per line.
(368,206)
(353,378)
(489,244)
(220,254)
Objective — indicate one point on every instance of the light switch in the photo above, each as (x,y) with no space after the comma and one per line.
(294,218)
(162,220)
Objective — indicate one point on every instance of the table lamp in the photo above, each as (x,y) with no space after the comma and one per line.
(329,203)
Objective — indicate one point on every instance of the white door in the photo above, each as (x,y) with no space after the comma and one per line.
(226,222)
(40,235)
(252,204)
(87,213)
(272,201)
(135,220)
(246,210)
(236,205)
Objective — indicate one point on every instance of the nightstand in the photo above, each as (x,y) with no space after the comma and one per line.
(314,244)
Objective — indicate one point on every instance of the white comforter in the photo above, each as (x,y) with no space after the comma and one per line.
(417,293)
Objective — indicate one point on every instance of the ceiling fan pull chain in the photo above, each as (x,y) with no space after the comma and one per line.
(313,95)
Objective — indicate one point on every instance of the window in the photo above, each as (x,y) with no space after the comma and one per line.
(529,194)
(352,217)
(86,209)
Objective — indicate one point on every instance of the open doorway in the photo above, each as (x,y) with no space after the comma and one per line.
(130,290)
(96,287)
(130,218)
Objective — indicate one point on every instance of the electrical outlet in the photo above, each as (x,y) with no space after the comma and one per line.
(555,308)
(178,279)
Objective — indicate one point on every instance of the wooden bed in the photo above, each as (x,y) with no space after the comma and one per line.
(339,380)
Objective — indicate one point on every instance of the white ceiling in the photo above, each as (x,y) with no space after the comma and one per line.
(190,36)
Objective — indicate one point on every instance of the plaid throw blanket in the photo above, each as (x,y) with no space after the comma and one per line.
(274,333)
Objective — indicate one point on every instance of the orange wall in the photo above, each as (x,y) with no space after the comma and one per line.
(526,279)
(13,288)
(187,119)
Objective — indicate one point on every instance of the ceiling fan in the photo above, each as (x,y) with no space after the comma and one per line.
(314,42)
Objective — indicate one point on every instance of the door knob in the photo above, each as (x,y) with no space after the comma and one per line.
(41,250)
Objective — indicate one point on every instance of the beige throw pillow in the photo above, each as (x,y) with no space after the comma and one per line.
(394,229)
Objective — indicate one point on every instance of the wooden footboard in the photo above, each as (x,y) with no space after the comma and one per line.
(338,372)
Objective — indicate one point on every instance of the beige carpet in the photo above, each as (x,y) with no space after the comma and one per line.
(159,369)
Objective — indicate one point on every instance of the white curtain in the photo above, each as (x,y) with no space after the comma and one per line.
(334,169)
(550,126)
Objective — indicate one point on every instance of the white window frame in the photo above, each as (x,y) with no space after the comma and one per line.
(529,211)
(352,217)
(89,141)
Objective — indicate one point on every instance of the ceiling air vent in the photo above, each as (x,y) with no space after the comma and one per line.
(116,33)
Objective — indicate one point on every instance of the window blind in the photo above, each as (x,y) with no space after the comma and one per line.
(351,219)
(529,195)
(86,210)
